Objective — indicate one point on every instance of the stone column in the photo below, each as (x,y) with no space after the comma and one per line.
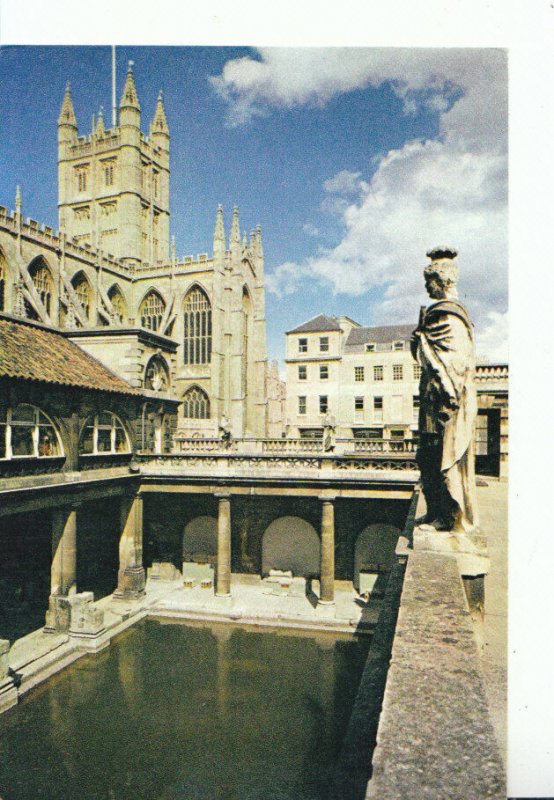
(131,576)
(223,581)
(327,571)
(63,571)
(63,574)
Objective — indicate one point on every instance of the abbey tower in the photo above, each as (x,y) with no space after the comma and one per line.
(113,185)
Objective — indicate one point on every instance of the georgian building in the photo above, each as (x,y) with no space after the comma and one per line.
(194,326)
(364,380)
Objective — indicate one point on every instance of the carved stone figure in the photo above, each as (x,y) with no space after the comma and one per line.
(443,345)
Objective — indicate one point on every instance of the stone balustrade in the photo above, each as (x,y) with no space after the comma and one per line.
(286,447)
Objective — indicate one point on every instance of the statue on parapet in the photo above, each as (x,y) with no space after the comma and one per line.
(225,434)
(443,345)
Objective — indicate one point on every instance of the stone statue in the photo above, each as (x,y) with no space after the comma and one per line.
(225,433)
(443,346)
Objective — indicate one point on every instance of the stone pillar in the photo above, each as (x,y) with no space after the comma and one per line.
(131,577)
(63,571)
(63,574)
(327,571)
(223,581)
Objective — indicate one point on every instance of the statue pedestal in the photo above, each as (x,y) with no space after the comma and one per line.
(470,551)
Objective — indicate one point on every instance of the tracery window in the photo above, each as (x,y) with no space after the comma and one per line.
(197,345)
(2,282)
(118,303)
(152,311)
(83,292)
(42,279)
(156,375)
(196,404)
(26,432)
(104,433)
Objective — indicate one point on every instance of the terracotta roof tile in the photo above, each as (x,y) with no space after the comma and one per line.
(32,352)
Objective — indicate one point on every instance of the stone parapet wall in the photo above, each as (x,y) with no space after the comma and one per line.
(435,737)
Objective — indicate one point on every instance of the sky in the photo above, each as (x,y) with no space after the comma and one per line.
(355,162)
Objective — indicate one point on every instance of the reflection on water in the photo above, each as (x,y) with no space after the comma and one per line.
(175,712)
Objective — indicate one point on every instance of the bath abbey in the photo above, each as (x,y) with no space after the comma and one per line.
(165,499)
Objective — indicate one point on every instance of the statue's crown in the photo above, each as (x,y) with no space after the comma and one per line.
(441,252)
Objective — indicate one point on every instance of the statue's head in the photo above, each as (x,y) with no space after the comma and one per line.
(441,275)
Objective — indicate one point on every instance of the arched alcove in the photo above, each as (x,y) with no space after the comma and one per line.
(200,537)
(375,548)
(291,543)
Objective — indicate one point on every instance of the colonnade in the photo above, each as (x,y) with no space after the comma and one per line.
(327,549)
(131,575)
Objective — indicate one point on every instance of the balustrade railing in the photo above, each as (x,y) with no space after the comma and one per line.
(291,447)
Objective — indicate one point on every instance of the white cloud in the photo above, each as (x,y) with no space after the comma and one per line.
(290,77)
(310,230)
(345,182)
(448,190)
(492,339)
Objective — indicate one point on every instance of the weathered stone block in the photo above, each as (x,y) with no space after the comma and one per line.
(86,619)
(4,650)
(163,571)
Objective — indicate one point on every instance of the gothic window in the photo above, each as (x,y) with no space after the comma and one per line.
(152,311)
(155,183)
(196,404)
(81,175)
(83,292)
(108,173)
(197,345)
(2,280)
(103,433)
(26,431)
(118,303)
(156,375)
(42,279)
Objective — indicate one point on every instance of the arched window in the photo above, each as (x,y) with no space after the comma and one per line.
(152,311)
(198,328)
(196,404)
(3,276)
(118,303)
(156,375)
(42,279)
(83,291)
(104,433)
(26,431)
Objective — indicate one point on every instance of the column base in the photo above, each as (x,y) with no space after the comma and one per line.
(131,582)
(326,609)
(58,616)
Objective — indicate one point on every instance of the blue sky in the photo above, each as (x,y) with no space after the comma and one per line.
(353,161)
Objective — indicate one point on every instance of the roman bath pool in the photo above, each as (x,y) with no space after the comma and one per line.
(187,712)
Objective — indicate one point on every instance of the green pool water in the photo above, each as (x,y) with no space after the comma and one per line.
(185,712)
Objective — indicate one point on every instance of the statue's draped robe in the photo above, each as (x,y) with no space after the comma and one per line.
(448,408)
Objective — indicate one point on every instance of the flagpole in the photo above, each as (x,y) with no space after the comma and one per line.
(114,106)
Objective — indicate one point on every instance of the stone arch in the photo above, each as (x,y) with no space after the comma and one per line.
(119,304)
(200,537)
(291,543)
(83,290)
(197,326)
(42,276)
(375,548)
(151,310)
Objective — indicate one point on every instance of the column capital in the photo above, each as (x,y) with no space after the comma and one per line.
(223,495)
(327,498)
